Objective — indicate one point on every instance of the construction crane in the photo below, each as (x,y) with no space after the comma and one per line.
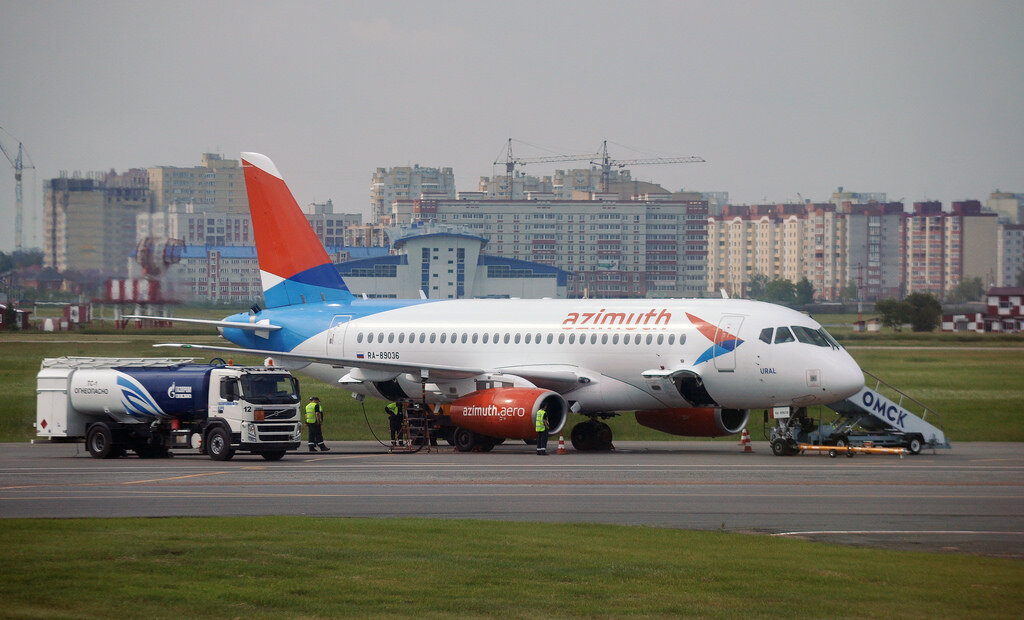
(606,163)
(17,162)
(511,162)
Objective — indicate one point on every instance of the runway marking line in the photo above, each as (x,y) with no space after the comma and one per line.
(212,473)
(317,459)
(107,484)
(901,532)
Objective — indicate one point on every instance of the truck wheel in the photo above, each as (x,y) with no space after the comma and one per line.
(276,455)
(914,445)
(464,439)
(779,447)
(218,444)
(100,442)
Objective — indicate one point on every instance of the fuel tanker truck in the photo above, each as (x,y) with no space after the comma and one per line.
(153,405)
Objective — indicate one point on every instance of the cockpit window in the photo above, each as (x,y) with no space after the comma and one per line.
(783,334)
(766,334)
(829,338)
(807,335)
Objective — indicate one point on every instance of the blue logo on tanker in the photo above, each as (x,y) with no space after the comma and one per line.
(135,398)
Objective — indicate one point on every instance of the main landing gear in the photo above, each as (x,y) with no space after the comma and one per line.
(591,436)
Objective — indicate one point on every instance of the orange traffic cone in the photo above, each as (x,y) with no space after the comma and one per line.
(561,444)
(745,441)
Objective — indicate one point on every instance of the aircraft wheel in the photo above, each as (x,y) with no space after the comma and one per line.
(914,445)
(583,437)
(100,442)
(779,447)
(842,442)
(486,444)
(604,436)
(464,439)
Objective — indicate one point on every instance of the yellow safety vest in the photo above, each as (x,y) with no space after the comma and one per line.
(392,408)
(539,422)
(311,413)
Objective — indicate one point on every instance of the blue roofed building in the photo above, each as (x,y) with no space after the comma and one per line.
(447,262)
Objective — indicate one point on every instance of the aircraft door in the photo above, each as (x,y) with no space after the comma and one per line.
(726,339)
(336,335)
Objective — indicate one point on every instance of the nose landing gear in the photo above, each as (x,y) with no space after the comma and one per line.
(591,436)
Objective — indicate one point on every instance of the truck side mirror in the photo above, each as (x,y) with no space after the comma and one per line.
(229,389)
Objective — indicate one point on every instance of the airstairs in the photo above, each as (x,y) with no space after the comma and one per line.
(882,410)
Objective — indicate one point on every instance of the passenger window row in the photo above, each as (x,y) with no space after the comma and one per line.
(515,338)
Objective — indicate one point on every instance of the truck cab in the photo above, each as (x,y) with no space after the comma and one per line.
(258,406)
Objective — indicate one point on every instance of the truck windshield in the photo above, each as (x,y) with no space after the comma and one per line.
(270,389)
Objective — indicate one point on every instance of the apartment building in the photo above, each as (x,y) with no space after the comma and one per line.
(404,183)
(942,248)
(873,261)
(614,248)
(787,241)
(521,186)
(1010,253)
(89,223)
(198,226)
(216,184)
(1008,206)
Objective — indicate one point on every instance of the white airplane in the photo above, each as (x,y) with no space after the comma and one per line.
(692,367)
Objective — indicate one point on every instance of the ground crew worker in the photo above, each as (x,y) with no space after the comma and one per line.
(541,425)
(314,423)
(394,422)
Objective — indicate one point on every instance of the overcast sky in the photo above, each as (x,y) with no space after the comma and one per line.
(918,99)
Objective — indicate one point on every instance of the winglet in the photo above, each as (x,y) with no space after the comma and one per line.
(294,266)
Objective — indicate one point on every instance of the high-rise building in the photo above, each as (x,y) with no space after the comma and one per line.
(873,261)
(1009,207)
(615,248)
(522,187)
(89,223)
(204,227)
(406,182)
(785,241)
(217,184)
(942,248)
(1010,253)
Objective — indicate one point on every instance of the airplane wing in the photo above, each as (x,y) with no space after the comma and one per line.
(264,325)
(437,371)
(557,377)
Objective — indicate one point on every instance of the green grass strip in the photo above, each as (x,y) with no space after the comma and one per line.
(323,567)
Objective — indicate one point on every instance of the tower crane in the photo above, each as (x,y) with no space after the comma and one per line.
(606,163)
(17,162)
(511,162)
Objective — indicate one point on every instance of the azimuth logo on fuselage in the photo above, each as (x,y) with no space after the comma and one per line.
(655,318)
(724,342)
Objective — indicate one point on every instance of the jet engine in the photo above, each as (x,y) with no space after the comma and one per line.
(508,413)
(695,422)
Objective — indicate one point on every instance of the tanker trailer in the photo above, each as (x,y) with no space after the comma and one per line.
(154,405)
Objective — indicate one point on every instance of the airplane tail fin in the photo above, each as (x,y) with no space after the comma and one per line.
(294,266)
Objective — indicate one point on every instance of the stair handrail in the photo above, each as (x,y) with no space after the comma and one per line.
(923,406)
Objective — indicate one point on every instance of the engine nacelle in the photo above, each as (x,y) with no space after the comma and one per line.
(508,413)
(696,422)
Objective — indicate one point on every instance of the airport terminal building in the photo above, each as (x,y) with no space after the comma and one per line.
(447,262)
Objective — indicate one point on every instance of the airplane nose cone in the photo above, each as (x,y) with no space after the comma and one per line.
(846,378)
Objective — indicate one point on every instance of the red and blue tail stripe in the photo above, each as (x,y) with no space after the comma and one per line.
(294,266)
